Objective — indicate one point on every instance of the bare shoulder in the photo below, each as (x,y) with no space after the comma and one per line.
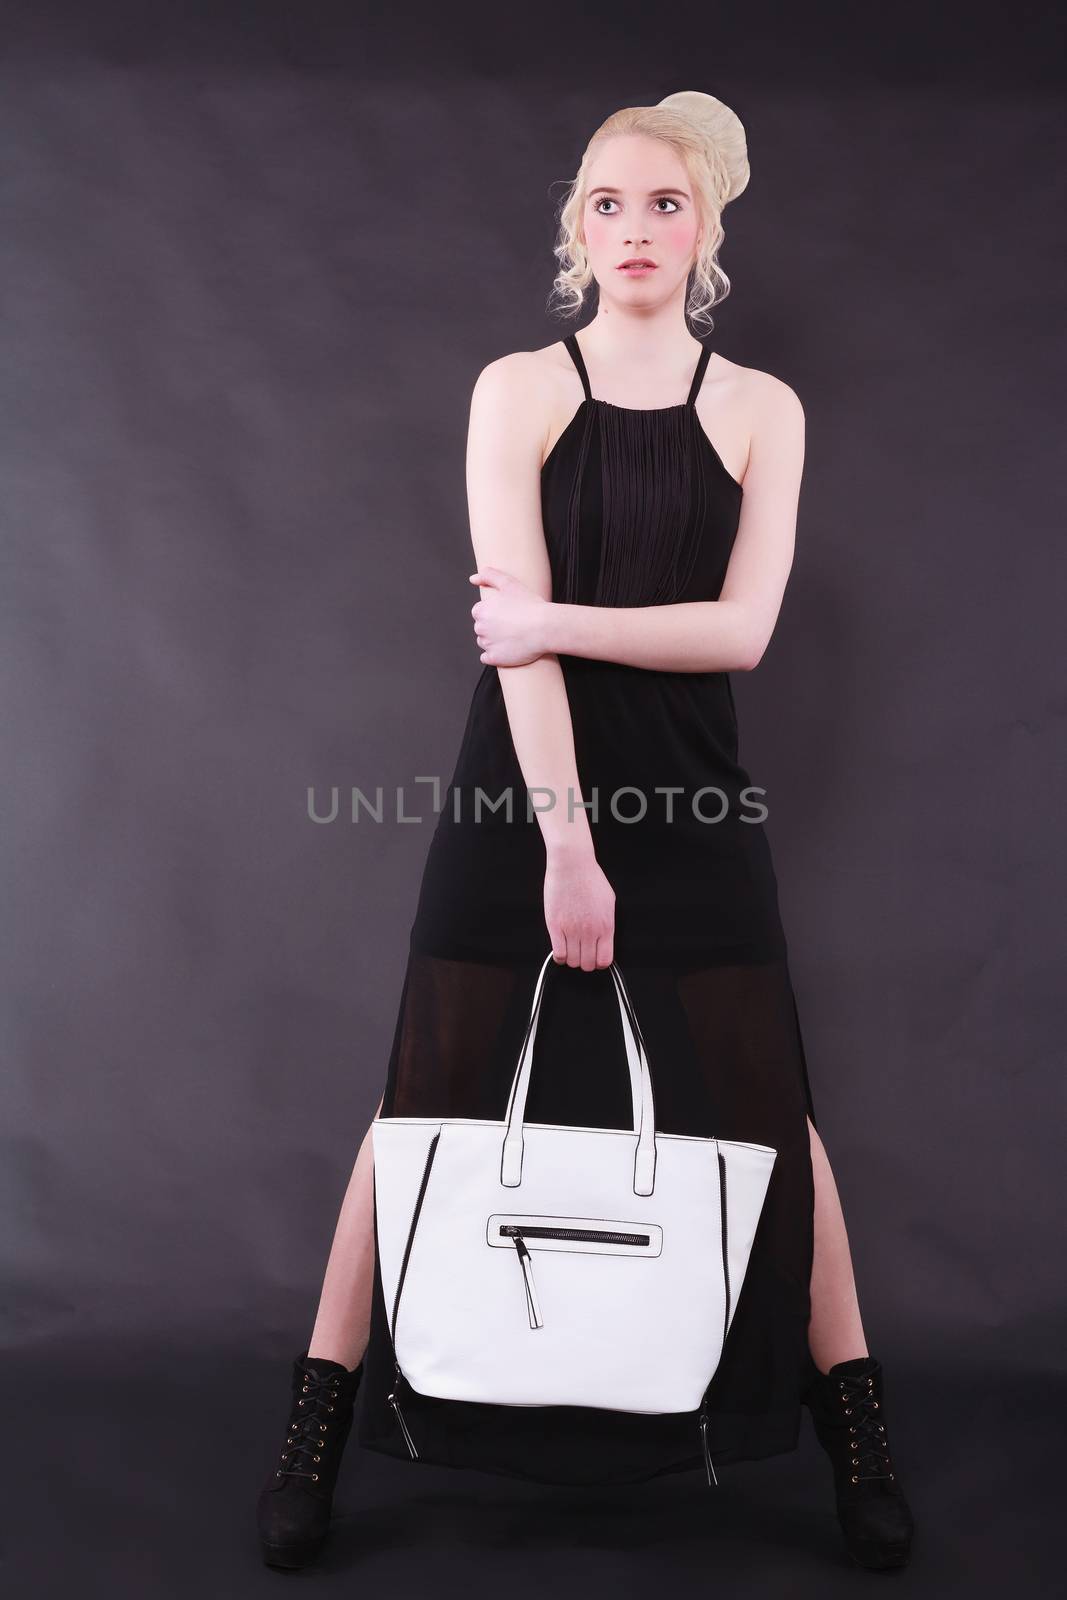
(519,394)
(510,407)
(517,374)
(769,399)
(517,380)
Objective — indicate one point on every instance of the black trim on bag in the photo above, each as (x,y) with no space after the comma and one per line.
(411,1232)
(725,1242)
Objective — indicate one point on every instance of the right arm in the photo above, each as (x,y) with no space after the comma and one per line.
(505,441)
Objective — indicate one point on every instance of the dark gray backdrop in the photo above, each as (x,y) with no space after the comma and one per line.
(254,257)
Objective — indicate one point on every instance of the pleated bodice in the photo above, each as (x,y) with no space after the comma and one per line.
(637,506)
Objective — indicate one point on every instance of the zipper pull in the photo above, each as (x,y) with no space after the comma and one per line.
(532,1307)
(395,1403)
(707,1453)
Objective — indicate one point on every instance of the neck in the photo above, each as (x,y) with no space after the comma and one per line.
(657,340)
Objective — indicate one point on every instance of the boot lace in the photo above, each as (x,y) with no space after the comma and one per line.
(867,1437)
(309,1426)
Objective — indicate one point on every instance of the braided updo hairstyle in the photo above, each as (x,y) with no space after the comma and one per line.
(710,140)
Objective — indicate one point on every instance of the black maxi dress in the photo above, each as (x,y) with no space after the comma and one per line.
(638,510)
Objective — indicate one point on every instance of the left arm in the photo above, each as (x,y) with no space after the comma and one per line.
(724,635)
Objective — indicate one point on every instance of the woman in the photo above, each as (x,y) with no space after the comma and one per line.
(633,506)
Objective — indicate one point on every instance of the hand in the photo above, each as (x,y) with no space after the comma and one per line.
(579,911)
(511,622)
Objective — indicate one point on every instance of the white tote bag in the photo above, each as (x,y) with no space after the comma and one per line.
(536,1264)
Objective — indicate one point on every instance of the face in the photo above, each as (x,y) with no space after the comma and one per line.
(639,203)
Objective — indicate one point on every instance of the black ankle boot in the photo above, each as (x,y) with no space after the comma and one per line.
(293,1512)
(847,1409)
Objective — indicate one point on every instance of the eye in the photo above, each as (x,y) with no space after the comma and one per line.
(606,200)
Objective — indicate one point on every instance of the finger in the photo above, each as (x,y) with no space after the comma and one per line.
(605,950)
(588,958)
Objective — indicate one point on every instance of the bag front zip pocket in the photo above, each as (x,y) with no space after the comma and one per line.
(587,1235)
(570,1234)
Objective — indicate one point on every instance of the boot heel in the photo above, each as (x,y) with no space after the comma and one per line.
(290,1555)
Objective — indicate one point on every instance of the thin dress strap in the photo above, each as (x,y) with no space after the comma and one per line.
(576,356)
(698,376)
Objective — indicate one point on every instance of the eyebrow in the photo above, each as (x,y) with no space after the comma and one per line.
(653,194)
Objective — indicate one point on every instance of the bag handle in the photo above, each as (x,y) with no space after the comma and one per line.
(644,1113)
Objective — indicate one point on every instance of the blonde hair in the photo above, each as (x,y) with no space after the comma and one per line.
(710,140)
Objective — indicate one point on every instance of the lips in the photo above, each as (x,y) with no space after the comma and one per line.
(638,261)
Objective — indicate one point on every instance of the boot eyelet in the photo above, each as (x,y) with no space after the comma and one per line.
(329,1408)
(848,1411)
(316,1458)
(854,1478)
(874,1403)
(314,1477)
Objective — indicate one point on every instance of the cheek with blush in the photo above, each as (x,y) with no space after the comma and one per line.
(679,246)
(598,237)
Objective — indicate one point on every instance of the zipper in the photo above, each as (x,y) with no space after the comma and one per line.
(398,1376)
(592,1235)
(395,1403)
(709,1469)
(533,1309)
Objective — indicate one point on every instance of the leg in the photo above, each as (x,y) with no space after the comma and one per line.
(835,1330)
(342,1326)
(848,1409)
